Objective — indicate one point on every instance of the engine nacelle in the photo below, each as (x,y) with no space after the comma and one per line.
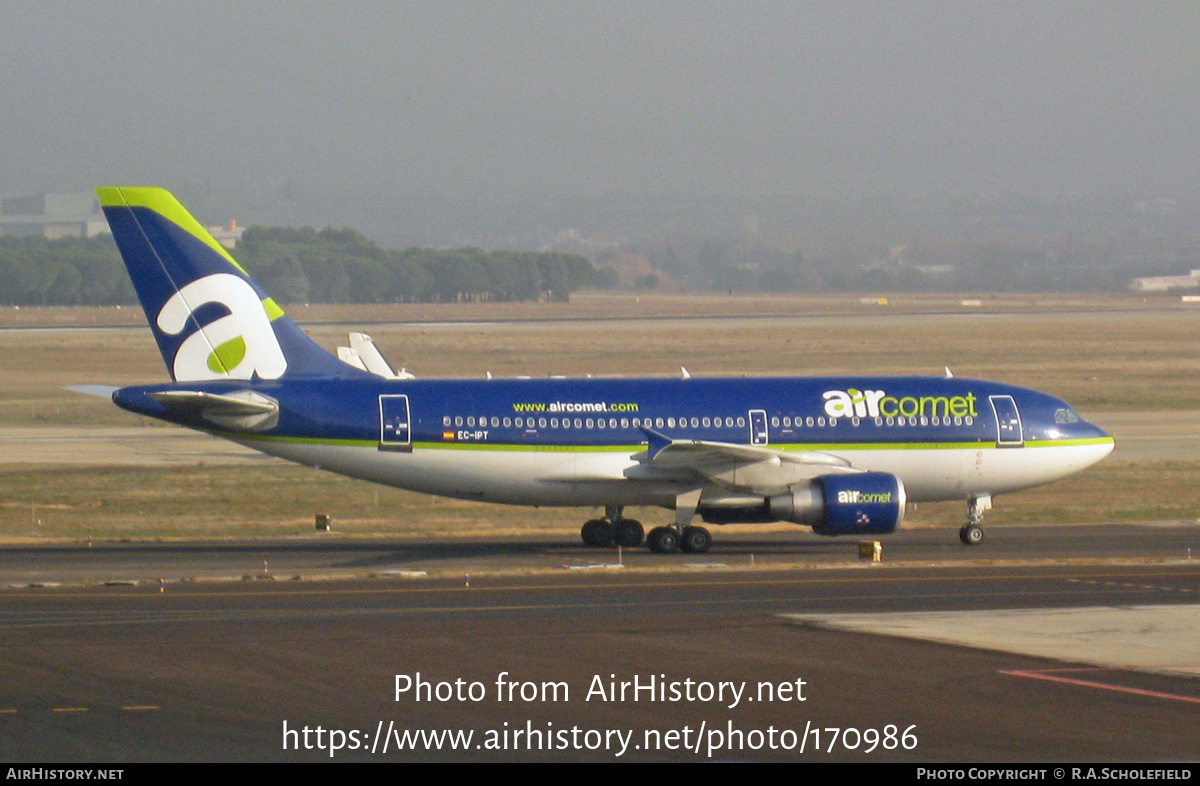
(865,503)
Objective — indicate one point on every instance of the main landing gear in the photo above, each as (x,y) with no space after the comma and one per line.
(971,533)
(668,540)
(613,530)
(616,530)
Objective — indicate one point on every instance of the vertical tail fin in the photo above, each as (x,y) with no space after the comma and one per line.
(210,319)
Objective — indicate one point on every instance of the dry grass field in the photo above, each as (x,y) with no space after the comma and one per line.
(1105,354)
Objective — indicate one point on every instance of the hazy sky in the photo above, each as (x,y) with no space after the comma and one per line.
(522,99)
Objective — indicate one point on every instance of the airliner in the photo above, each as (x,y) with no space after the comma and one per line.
(841,454)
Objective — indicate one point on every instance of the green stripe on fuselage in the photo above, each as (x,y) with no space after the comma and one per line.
(813,447)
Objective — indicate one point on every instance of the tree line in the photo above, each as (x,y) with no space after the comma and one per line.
(300,266)
(66,272)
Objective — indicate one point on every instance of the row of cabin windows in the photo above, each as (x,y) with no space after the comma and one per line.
(924,420)
(567,423)
(740,422)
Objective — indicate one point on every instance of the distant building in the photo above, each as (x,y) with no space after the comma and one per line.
(228,236)
(1166,283)
(52,215)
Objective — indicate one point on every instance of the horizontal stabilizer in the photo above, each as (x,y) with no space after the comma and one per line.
(242,410)
(101,391)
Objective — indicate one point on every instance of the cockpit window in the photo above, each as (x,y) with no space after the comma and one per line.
(1066,416)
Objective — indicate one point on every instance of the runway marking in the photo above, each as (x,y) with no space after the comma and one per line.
(151,614)
(706,582)
(1044,675)
(130,708)
(1126,585)
(278,614)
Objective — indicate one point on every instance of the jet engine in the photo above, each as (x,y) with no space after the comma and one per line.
(863,503)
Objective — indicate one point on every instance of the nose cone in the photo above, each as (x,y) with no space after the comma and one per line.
(1094,443)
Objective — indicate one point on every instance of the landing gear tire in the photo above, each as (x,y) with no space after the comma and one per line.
(599,533)
(629,533)
(695,540)
(663,540)
(971,534)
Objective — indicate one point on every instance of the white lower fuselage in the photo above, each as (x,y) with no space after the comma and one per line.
(582,478)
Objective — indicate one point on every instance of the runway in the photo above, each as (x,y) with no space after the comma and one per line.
(236,670)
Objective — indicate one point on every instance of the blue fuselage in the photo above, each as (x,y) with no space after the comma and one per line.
(947,438)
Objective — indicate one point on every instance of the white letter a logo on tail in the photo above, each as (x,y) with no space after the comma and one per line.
(237,345)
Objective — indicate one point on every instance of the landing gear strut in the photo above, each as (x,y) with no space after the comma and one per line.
(971,533)
(681,536)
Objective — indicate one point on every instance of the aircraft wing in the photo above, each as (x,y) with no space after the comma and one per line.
(748,467)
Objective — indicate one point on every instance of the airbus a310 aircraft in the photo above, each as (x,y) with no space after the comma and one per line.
(840,454)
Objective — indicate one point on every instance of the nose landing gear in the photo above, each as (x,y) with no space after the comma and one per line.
(971,533)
